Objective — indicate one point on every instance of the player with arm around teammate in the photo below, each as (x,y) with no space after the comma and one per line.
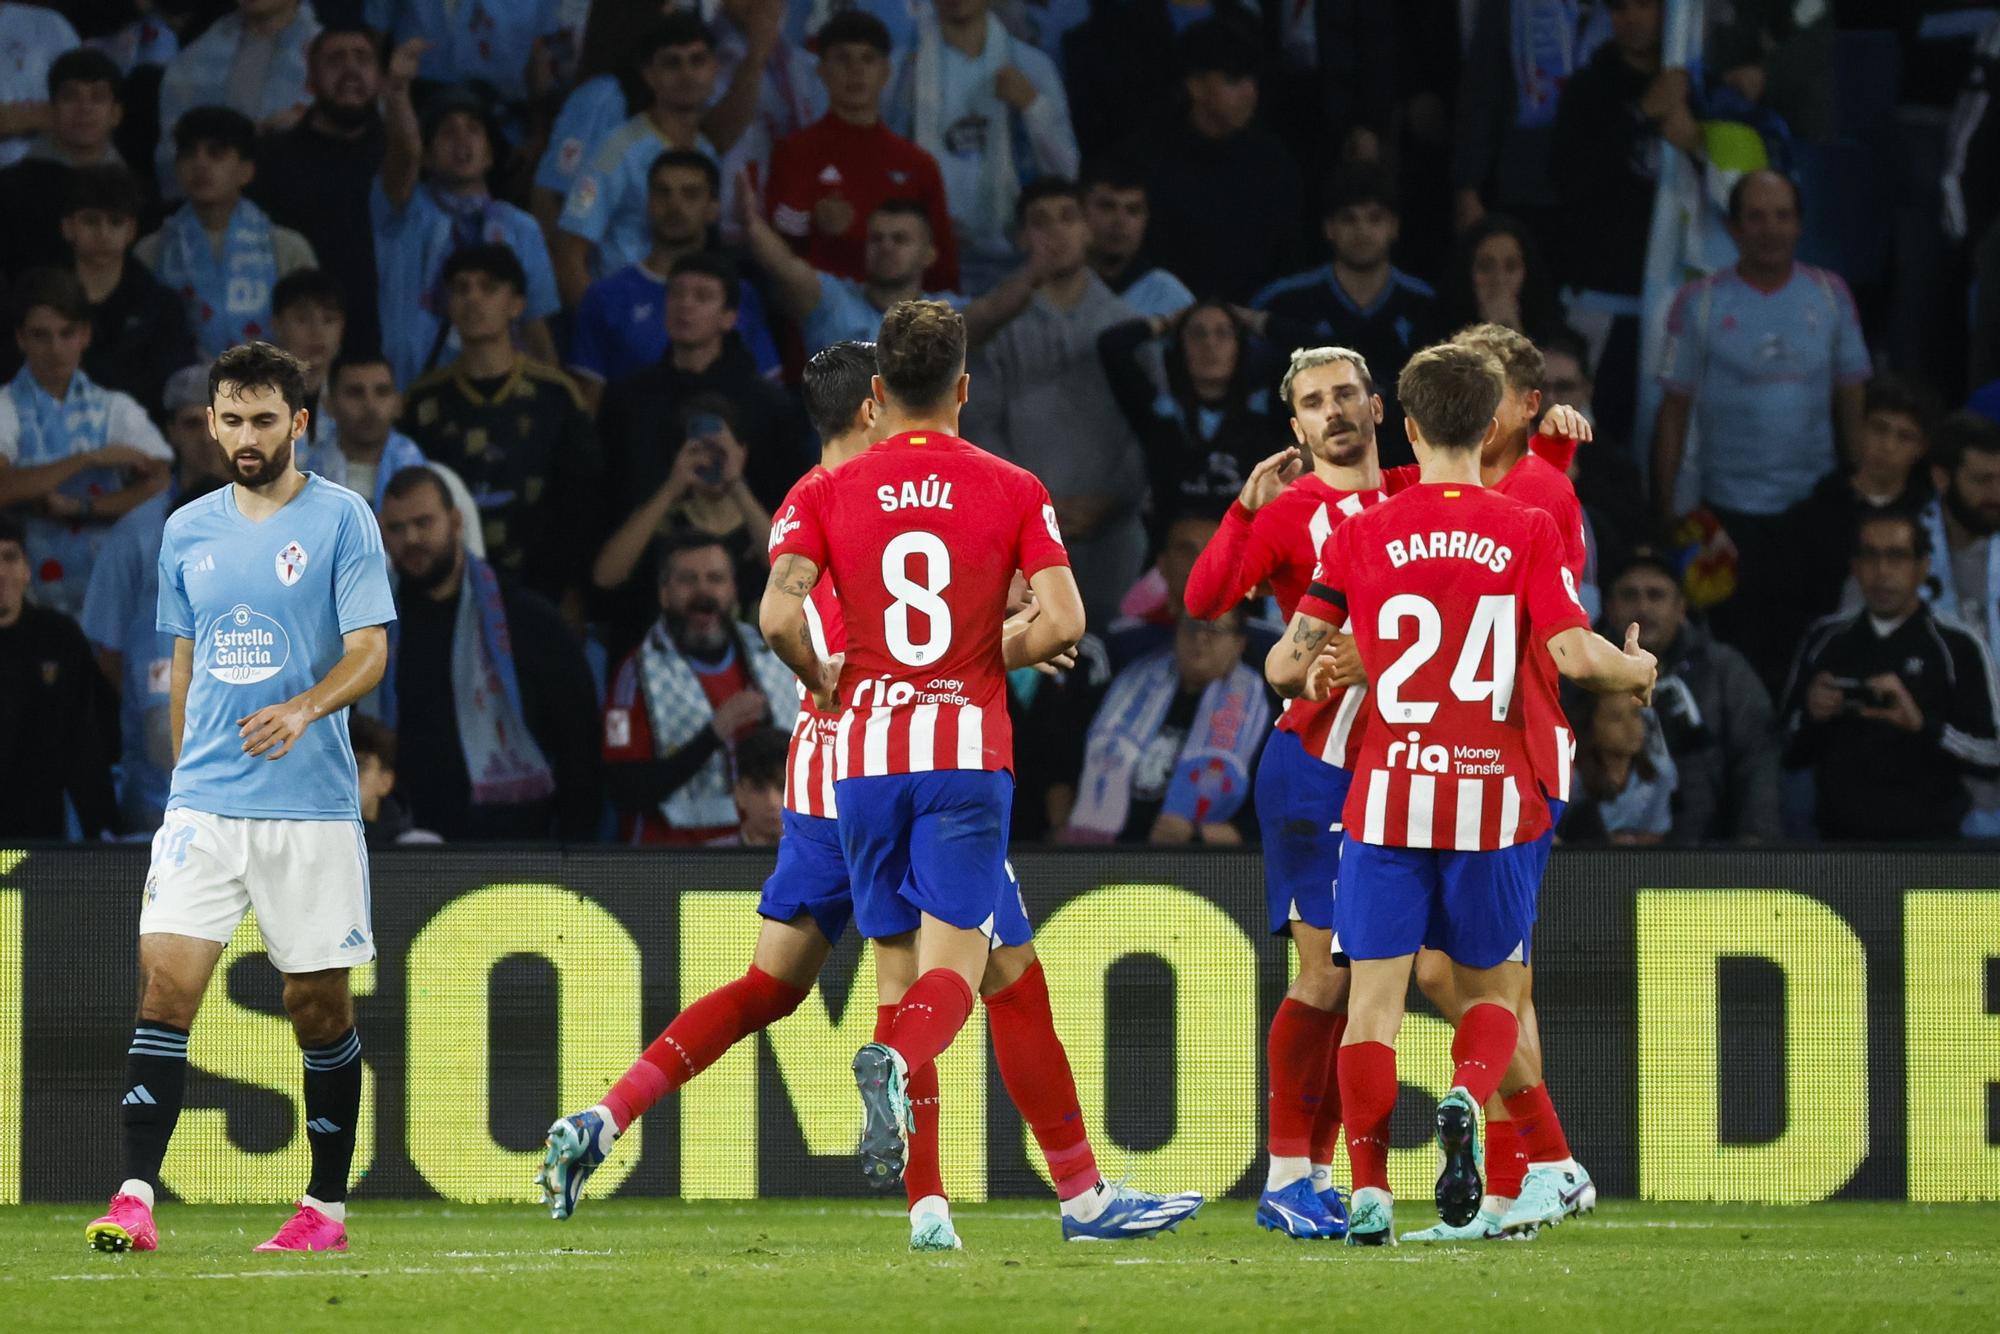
(920,537)
(1446,587)
(276,591)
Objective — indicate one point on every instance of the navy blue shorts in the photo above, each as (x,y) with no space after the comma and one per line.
(1298,813)
(935,843)
(811,877)
(1476,907)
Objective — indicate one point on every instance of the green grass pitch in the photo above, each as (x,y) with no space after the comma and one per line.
(802,1266)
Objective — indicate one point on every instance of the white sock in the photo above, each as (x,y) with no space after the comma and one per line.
(928,1205)
(337,1212)
(1495,1206)
(1322,1176)
(1560,1165)
(1284,1171)
(608,1135)
(143,1190)
(1086,1207)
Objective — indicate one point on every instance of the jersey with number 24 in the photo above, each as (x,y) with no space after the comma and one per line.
(1447,590)
(921,536)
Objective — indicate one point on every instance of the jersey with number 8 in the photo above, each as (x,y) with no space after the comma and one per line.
(1446,590)
(921,536)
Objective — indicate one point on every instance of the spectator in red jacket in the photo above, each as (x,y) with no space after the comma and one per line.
(829,177)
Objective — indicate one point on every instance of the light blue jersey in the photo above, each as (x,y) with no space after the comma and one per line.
(266,605)
(607,204)
(845,313)
(593,110)
(411,247)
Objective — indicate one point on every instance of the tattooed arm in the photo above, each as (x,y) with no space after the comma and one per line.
(782,619)
(1299,664)
(1602,667)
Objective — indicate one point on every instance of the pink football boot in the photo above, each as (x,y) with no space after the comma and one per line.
(126,1226)
(308,1230)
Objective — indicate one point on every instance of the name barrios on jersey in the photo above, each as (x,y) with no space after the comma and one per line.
(1454,545)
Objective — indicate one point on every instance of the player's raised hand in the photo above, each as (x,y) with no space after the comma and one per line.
(403,62)
(1346,659)
(1565,423)
(1644,694)
(1270,477)
(271,730)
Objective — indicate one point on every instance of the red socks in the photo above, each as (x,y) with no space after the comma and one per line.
(1541,1133)
(932,1012)
(1036,1070)
(1326,1122)
(698,1037)
(1506,1158)
(1295,1051)
(1367,1096)
(921,1175)
(1481,1049)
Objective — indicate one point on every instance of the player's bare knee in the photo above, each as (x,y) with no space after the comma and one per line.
(1435,979)
(168,998)
(320,1005)
(1004,967)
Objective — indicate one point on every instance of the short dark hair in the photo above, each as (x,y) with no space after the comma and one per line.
(761,756)
(1223,45)
(1451,391)
(364,356)
(1920,533)
(418,477)
(681,541)
(494,259)
(903,208)
(1520,360)
(85,64)
(110,188)
(687,159)
(853,27)
(315,285)
(920,351)
(344,29)
(837,379)
(715,265)
(58,289)
(13,529)
(1044,187)
(1113,172)
(1742,187)
(220,127)
(681,28)
(371,736)
(1890,392)
(1355,183)
(259,365)
(1964,432)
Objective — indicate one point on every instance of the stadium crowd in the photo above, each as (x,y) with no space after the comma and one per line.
(556,267)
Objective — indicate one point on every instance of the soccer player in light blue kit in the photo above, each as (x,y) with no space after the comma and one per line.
(276,593)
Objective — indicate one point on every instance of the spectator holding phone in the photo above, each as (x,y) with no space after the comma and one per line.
(1892,707)
(704,492)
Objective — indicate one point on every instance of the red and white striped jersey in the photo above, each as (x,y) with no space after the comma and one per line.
(1445,588)
(921,536)
(1539,484)
(1279,544)
(809,765)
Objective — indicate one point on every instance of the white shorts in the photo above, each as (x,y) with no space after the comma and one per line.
(307,879)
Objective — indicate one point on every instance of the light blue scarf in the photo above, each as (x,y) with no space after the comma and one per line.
(1543,45)
(398,452)
(1211,776)
(51,432)
(502,759)
(228,299)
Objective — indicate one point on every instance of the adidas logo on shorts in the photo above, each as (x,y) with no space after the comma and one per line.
(355,939)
